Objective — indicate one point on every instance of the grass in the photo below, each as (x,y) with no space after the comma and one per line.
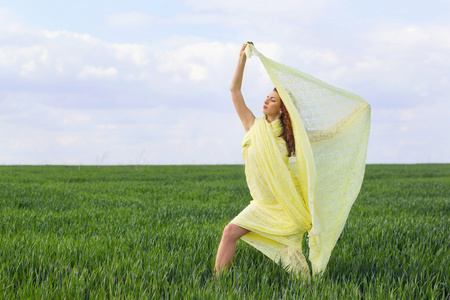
(152,232)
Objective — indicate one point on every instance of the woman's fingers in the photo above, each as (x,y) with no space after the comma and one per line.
(242,50)
(245,45)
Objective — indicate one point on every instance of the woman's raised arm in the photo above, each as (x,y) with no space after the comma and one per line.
(244,113)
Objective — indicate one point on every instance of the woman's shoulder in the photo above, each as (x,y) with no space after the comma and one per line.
(256,122)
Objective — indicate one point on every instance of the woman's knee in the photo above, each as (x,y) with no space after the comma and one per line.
(233,232)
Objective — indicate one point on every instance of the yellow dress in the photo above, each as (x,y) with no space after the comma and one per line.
(278,216)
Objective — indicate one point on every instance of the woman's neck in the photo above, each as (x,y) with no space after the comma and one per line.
(270,119)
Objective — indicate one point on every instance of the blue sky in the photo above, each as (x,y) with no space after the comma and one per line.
(115,82)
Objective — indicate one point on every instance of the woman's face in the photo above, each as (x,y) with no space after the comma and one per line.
(272,105)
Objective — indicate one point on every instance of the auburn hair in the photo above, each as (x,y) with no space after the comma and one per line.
(288,133)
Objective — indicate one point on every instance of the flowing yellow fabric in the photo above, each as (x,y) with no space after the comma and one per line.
(315,189)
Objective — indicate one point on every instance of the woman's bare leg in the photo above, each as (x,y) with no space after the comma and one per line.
(227,246)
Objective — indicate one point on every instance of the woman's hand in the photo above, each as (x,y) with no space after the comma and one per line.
(242,52)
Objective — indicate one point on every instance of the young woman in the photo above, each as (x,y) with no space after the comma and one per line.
(268,221)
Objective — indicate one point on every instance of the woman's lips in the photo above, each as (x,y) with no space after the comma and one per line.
(264,106)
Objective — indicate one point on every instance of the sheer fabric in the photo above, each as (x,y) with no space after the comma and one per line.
(315,189)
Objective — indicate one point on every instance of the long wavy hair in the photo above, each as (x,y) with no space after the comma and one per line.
(288,134)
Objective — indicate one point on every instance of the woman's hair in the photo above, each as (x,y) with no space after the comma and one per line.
(288,134)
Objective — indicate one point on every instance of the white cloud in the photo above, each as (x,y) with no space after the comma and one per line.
(161,135)
(71,118)
(398,36)
(395,65)
(97,72)
(68,141)
(57,59)
(201,63)
(410,135)
(10,24)
(106,127)
(76,37)
(137,54)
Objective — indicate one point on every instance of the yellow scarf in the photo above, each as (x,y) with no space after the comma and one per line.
(331,132)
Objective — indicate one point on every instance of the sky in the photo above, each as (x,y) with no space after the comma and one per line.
(147,82)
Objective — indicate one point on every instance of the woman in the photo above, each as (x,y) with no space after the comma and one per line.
(268,223)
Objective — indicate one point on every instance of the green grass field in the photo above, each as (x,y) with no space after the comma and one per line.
(152,232)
